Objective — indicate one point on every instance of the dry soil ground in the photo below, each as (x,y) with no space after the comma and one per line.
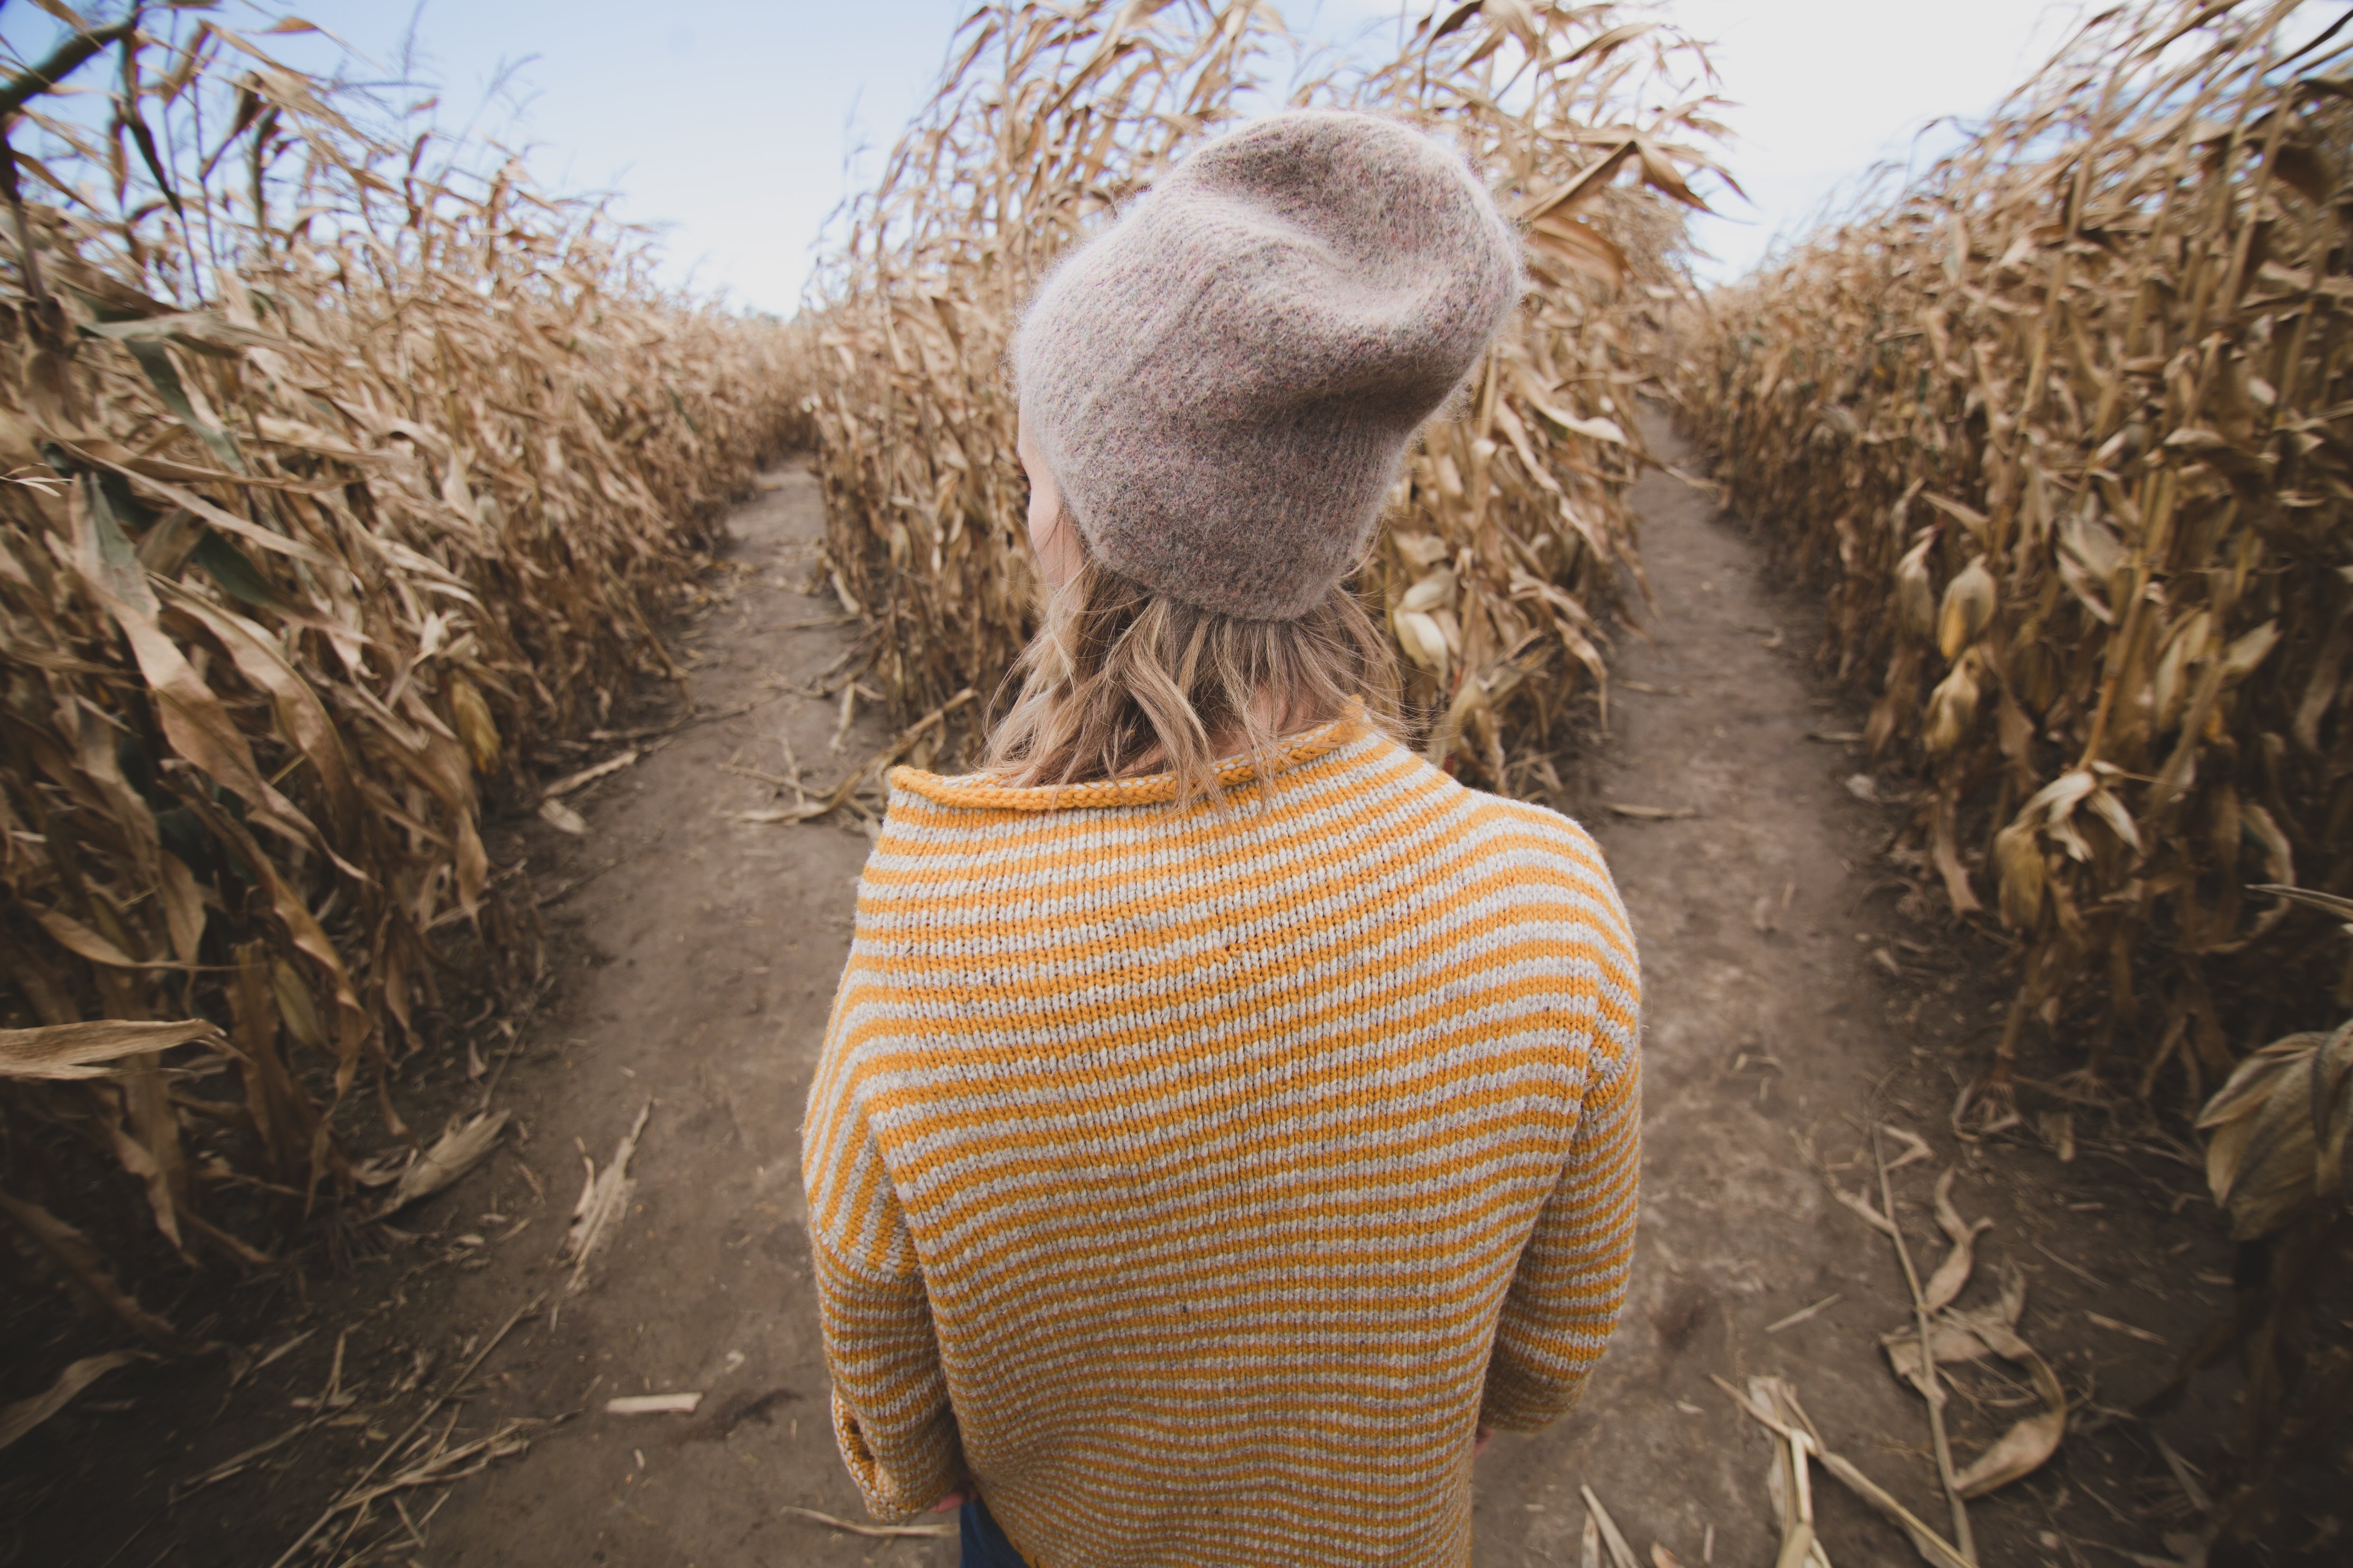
(1800,986)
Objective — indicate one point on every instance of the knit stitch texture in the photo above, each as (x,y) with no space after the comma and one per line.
(1200,1179)
(1224,381)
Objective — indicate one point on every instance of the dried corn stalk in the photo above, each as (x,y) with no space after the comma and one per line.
(341,470)
(2062,425)
(1509,528)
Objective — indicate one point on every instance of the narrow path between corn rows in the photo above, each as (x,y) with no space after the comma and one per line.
(1795,980)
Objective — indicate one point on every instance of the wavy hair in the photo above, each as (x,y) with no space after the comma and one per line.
(1121,681)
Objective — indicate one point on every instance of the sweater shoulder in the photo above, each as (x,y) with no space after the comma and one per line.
(1560,831)
(1549,845)
(1540,838)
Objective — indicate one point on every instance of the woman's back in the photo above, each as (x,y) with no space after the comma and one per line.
(1198,1177)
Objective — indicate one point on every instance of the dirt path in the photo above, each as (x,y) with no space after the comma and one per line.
(1785,984)
(1794,979)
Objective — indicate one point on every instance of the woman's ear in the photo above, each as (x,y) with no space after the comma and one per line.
(1061,550)
(1053,533)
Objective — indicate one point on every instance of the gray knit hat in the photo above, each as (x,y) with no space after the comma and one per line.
(1224,381)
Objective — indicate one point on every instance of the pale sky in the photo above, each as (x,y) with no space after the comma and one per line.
(730,121)
(1828,88)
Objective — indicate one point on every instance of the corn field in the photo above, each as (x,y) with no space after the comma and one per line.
(2056,427)
(343,474)
(2059,427)
(1506,536)
(343,468)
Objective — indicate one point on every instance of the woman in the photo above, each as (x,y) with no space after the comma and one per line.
(1225,1117)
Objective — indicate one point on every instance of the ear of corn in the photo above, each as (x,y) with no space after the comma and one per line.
(2277,1132)
(339,474)
(1508,529)
(2057,427)
(2276,1137)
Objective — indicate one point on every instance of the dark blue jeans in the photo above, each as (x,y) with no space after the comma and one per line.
(985,1545)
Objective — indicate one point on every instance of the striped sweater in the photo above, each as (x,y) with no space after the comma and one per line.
(1196,1181)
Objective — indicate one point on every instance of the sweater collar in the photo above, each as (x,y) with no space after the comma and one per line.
(987,789)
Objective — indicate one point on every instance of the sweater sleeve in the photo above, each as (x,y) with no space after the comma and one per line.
(891,1413)
(1570,1285)
(892,1417)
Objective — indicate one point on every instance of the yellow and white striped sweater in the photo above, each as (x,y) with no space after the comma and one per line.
(1200,1179)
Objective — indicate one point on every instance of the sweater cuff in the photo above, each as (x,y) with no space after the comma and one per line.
(909,1488)
(1513,1404)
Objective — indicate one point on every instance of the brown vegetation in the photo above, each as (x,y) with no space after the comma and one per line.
(340,473)
(2058,426)
(1508,529)
(2061,427)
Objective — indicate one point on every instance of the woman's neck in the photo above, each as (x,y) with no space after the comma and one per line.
(1279,715)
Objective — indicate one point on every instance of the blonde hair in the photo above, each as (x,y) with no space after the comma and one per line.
(1121,681)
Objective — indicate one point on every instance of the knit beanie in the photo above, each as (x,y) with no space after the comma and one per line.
(1224,381)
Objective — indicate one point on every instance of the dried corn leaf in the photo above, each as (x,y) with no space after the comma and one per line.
(457,1151)
(1960,1335)
(22,1417)
(85,1273)
(1621,1555)
(1784,1421)
(72,1050)
(2277,1131)
(604,1199)
(2022,1449)
(1953,1274)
